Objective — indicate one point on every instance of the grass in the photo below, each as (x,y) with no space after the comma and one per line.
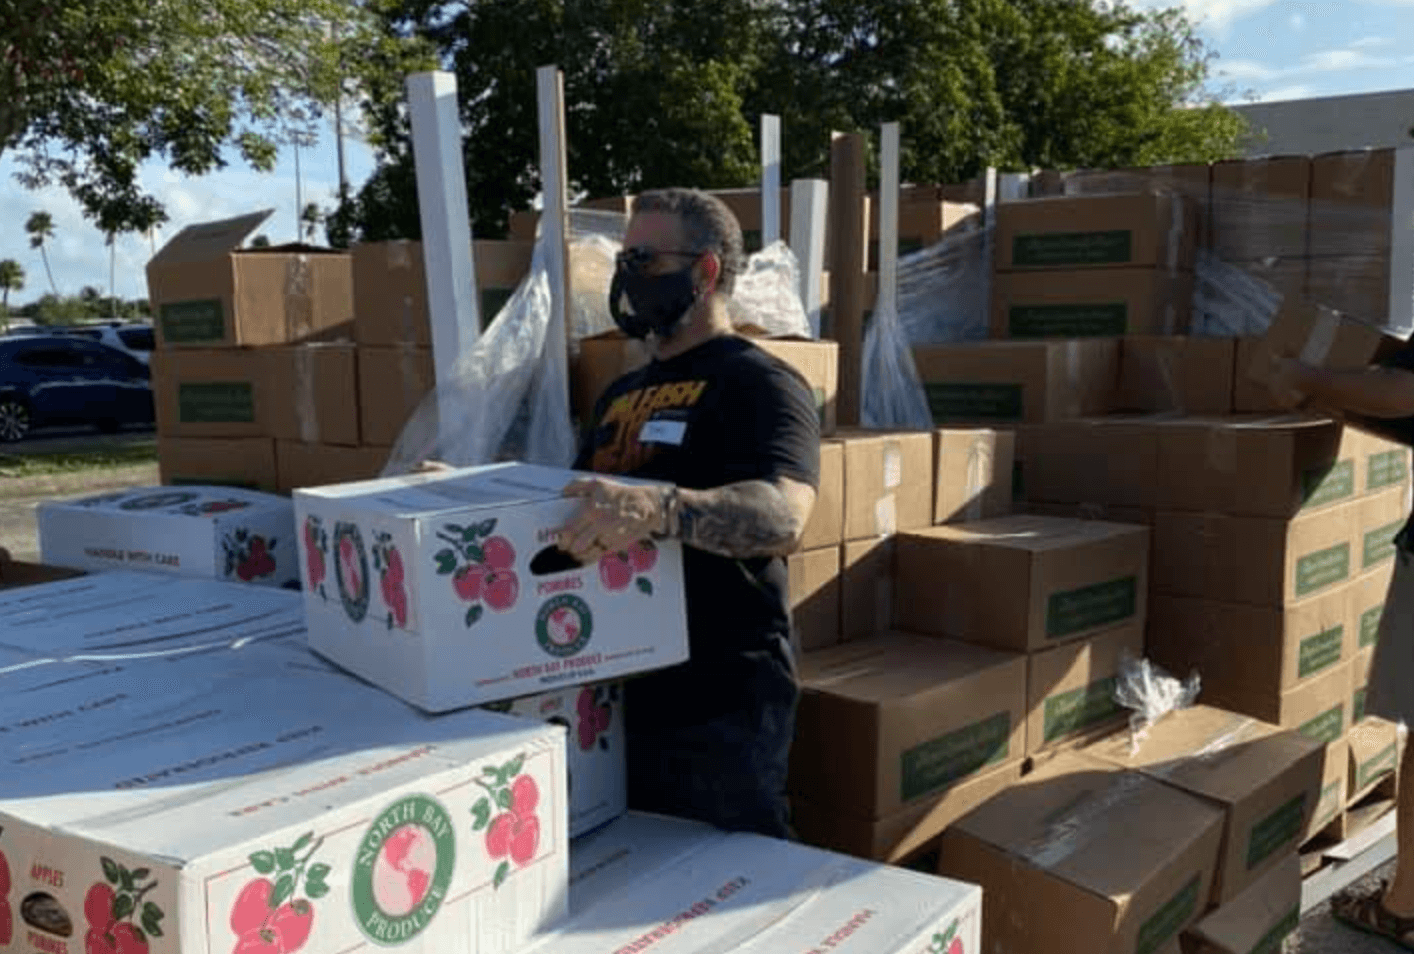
(48,465)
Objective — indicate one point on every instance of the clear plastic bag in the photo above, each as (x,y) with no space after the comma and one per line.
(1150,693)
(892,395)
(767,295)
(944,290)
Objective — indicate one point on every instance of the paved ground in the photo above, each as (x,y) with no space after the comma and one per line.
(1321,934)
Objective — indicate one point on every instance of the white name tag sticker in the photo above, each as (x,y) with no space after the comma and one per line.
(663,432)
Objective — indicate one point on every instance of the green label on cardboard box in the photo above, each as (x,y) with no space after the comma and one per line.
(1058,249)
(1319,652)
(1387,469)
(1274,940)
(1100,604)
(193,322)
(1069,320)
(1320,487)
(1327,726)
(1379,543)
(217,402)
(1278,829)
(1078,709)
(934,765)
(970,401)
(1370,626)
(1320,569)
(1357,705)
(1372,768)
(1165,923)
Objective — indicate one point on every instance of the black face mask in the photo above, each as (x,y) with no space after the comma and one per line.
(650,304)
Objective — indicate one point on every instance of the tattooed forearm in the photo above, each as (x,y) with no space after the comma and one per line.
(747,519)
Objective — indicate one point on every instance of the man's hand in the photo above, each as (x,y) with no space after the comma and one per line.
(613,517)
(432,467)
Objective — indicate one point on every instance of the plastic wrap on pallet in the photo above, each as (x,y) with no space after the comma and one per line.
(1229,301)
(1150,693)
(892,393)
(944,290)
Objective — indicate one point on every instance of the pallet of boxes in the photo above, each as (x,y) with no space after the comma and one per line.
(294,366)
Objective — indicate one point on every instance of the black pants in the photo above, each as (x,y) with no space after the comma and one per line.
(729,771)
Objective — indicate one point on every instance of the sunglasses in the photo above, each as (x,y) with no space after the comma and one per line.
(638,258)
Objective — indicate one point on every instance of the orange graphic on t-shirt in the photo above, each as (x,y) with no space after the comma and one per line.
(622,452)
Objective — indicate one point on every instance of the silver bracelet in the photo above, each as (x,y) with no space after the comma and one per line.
(670,512)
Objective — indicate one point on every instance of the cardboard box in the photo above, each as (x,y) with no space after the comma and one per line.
(996,383)
(603,360)
(392,382)
(474,552)
(1249,397)
(815,597)
(1113,892)
(1319,708)
(908,832)
(1360,666)
(1317,336)
(595,770)
(1135,515)
(1256,466)
(1189,180)
(1360,202)
(390,287)
(1367,288)
(1249,655)
(319,465)
(922,221)
(1367,605)
(888,482)
(210,532)
(1260,561)
(247,462)
(1256,922)
(1335,771)
(313,395)
(1022,583)
(207,291)
(1260,208)
(1168,373)
(211,393)
(973,473)
(825,528)
(638,885)
(1084,304)
(289,774)
(1058,463)
(1386,465)
(1380,518)
(1266,781)
(1070,690)
(866,588)
(889,721)
(1155,230)
(1375,754)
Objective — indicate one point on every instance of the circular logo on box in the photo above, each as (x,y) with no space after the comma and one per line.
(351,570)
(563,625)
(403,869)
(158,501)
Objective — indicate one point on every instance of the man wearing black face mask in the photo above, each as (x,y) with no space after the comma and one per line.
(736,434)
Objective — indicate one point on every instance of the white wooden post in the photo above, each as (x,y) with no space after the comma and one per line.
(770,179)
(809,206)
(888,217)
(446,227)
(554,217)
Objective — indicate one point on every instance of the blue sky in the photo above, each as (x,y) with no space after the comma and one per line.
(1267,50)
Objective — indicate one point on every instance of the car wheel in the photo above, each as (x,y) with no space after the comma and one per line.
(14,419)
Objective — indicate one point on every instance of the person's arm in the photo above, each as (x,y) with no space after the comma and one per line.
(1378,392)
(750,518)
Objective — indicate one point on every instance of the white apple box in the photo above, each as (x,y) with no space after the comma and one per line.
(220,533)
(598,773)
(647,883)
(270,803)
(473,602)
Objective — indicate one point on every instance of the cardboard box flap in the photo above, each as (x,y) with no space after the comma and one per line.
(1034,533)
(1106,830)
(197,502)
(492,485)
(631,848)
(894,665)
(207,240)
(1260,917)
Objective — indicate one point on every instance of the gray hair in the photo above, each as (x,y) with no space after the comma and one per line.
(708,224)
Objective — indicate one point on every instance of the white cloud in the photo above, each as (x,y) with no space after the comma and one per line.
(1371,42)
(1283,93)
(1217,15)
(1344,60)
(1246,70)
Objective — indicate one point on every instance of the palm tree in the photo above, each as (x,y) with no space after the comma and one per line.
(12,278)
(40,227)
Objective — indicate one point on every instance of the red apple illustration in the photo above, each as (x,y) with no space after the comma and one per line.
(252,906)
(98,906)
(615,572)
(7,923)
(292,924)
(643,556)
(525,839)
(502,588)
(259,941)
(469,582)
(525,795)
(498,835)
(498,553)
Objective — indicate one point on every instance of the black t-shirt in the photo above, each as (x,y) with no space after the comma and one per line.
(1397,429)
(724,412)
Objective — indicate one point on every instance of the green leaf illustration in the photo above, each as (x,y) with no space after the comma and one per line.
(455,528)
(151,926)
(446,562)
(503,798)
(318,872)
(284,858)
(475,554)
(486,528)
(126,877)
(316,890)
(481,811)
(514,766)
(141,874)
(284,890)
(263,862)
(473,614)
(502,872)
(151,912)
(110,870)
(303,841)
(645,585)
(122,906)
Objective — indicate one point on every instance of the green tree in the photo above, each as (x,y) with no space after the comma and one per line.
(91,90)
(12,278)
(670,93)
(40,228)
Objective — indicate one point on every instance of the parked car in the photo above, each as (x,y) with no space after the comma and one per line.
(57,379)
(136,340)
